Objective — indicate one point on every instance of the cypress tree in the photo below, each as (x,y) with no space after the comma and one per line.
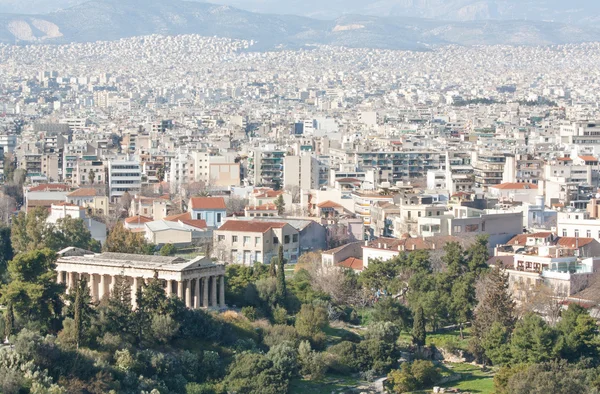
(281,289)
(273,268)
(78,311)
(9,319)
(418,333)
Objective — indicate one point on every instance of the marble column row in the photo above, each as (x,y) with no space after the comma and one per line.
(203,292)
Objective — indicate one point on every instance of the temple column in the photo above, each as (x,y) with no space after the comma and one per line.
(92,286)
(180,290)
(205,292)
(59,277)
(213,292)
(134,289)
(197,294)
(188,294)
(111,286)
(222,291)
(72,280)
(169,289)
(101,287)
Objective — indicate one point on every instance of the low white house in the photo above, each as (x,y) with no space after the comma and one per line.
(62,210)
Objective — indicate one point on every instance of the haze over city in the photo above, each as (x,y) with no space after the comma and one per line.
(269,197)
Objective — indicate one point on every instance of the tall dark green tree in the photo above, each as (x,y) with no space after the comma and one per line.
(495,305)
(280,204)
(9,321)
(281,287)
(6,252)
(118,309)
(273,268)
(32,290)
(477,255)
(419,333)
(78,311)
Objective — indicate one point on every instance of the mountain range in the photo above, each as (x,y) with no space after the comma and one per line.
(114,19)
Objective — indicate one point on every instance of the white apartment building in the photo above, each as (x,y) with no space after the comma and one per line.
(124,176)
(301,172)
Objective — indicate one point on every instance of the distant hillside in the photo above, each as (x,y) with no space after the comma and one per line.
(114,19)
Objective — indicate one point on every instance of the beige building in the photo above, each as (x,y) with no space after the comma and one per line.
(225,174)
(199,283)
(249,241)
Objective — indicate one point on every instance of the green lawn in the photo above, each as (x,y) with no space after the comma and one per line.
(474,379)
(329,384)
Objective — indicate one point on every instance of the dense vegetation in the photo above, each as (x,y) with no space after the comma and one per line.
(317,322)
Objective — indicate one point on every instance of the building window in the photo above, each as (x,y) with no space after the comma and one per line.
(221,238)
(429,213)
(219,217)
(246,241)
(419,213)
(457,229)
(471,228)
(589,234)
(234,239)
(286,239)
(564,232)
(275,241)
(295,238)
(576,233)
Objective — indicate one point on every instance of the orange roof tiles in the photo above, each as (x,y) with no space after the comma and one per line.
(352,263)
(329,204)
(47,187)
(137,219)
(250,226)
(588,158)
(521,239)
(84,192)
(198,223)
(207,203)
(179,216)
(515,186)
(565,159)
(572,242)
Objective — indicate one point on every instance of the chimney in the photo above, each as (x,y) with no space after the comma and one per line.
(366,243)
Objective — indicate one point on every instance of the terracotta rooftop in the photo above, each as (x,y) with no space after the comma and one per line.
(267,193)
(588,158)
(250,226)
(198,223)
(572,242)
(84,192)
(207,203)
(515,186)
(352,263)
(50,187)
(329,204)
(521,239)
(179,216)
(137,219)
(565,159)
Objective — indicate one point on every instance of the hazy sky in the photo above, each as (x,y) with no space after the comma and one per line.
(574,11)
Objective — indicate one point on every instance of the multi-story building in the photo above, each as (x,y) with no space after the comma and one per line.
(523,169)
(460,176)
(249,241)
(301,172)
(265,168)
(488,169)
(123,176)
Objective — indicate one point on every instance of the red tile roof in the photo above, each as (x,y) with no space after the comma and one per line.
(198,223)
(521,239)
(329,204)
(267,193)
(572,242)
(250,226)
(565,159)
(84,192)
(180,216)
(207,203)
(588,158)
(50,187)
(515,186)
(352,263)
(137,219)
